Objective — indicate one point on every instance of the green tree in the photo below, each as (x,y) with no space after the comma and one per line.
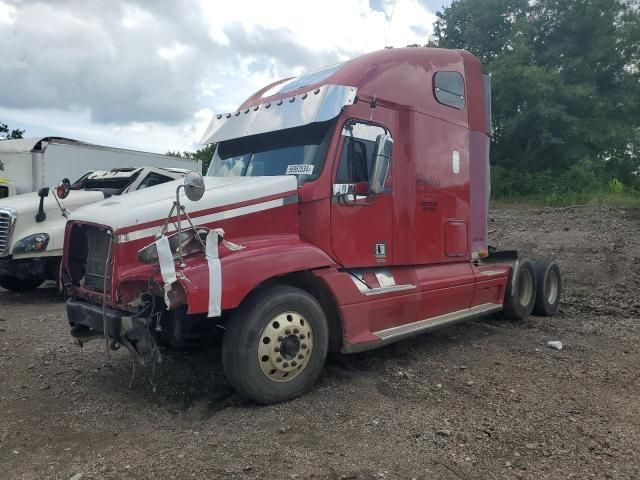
(9,134)
(204,154)
(565,78)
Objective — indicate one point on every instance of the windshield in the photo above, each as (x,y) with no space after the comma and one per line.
(296,151)
(106,182)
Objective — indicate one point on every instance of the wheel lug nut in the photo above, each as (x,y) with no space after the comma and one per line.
(277,349)
(279,359)
(302,337)
(280,339)
(304,345)
(294,363)
(300,357)
(285,364)
(296,331)
(287,331)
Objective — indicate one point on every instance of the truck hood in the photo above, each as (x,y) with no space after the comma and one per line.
(29,202)
(147,209)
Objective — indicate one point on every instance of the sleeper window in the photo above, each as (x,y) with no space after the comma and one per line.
(449,89)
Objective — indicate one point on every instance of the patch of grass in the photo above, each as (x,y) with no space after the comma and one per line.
(620,200)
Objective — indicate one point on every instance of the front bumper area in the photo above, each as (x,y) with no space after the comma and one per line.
(87,322)
(24,268)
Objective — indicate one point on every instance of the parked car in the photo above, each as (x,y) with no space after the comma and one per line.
(32,224)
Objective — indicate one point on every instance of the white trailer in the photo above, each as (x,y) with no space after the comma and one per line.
(28,164)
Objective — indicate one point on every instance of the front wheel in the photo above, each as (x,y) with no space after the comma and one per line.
(22,284)
(275,344)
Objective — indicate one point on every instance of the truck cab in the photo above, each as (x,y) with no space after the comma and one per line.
(343,210)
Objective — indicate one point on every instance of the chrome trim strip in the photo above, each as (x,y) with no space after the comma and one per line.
(358,280)
(347,191)
(385,280)
(402,331)
(12,213)
(343,189)
(394,334)
(491,272)
(389,289)
(214,217)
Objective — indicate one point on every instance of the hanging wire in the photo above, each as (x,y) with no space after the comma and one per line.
(107,277)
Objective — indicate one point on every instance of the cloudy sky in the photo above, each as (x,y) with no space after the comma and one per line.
(149,74)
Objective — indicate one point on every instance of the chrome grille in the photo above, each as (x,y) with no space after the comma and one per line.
(97,250)
(7,221)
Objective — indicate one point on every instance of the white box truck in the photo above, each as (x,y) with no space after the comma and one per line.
(29,164)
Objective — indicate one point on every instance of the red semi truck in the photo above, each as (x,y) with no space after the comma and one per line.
(343,210)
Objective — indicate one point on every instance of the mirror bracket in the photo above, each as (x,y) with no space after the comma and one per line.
(381,162)
(193,187)
(41,216)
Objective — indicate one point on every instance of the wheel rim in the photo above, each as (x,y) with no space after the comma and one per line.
(552,287)
(285,346)
(525,287)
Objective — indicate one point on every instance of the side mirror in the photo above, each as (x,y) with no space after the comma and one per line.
(41,216)
(381,161)
(63,188)
(194,186)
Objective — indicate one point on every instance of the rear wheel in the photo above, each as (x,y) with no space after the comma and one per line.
(521,290)
(275,344)
(22,284)
(549,287)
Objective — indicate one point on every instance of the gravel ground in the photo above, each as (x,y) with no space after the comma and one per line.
(482,400)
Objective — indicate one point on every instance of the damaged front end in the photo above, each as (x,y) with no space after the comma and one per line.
(146,305)
(122,313)
(135,333)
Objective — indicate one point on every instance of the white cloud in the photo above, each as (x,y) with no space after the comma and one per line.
(7,13)
(169,53)
(134,17)
(148,75)
(346,26)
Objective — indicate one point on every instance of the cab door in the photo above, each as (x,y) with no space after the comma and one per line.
(361,223)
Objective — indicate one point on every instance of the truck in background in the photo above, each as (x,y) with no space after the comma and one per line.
(32,224)
(29,164)
(343,210)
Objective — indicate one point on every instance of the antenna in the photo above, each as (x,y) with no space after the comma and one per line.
(386,33)
(372,103)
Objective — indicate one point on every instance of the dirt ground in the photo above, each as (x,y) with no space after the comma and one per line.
(482,400)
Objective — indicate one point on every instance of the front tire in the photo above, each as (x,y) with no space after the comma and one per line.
(275,344)
(521,290)
(16,284)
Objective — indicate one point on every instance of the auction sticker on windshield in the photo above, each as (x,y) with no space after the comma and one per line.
(300,169)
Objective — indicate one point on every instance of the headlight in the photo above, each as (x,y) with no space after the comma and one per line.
(190,244)
(32,243)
